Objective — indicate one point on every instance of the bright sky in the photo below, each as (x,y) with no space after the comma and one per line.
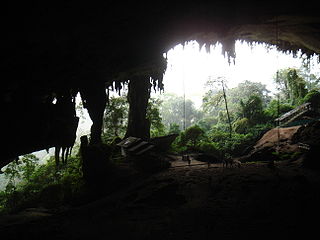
(188,68)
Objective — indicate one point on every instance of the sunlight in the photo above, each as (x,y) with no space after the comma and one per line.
(189,68)
(85,120)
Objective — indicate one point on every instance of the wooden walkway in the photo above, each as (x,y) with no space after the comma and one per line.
(294,114)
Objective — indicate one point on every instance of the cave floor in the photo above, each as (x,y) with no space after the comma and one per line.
(188,203)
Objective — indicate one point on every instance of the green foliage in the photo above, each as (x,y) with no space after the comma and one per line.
(192,135)
(32,185)
(216,142)
(211,148)
(272,110)
(207,122)
(314,98)
(246,89)
(220,127)
(178,146)
(259,129)
(20,170)
(3,200)
(223,117)
(241,125)
(253,98)
(28,166)
(176,110)
(297,85)
(221,82)
(115,118)
(174,129)
(153,114)
(230,146)
(12,174)
(218,136)
(252,110)
(292,86)
(242,92)
(212,100)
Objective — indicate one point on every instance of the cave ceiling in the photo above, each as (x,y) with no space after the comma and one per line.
(71,43)
(49,47)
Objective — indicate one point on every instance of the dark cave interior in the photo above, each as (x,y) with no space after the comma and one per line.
(61,49)
(54,51)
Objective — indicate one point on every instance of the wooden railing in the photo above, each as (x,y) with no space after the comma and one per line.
(294,113)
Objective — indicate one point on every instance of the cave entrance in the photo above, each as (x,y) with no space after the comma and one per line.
(191,67)
(222,105)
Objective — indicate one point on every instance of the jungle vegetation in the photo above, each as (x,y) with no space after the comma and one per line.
(228,121)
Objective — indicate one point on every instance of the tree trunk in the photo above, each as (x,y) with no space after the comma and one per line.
(226,103)
(138,97)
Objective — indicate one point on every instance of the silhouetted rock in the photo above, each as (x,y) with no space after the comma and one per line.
(96,163)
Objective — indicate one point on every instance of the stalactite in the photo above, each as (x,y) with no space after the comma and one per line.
(138,96)
(208,48)
(94,100)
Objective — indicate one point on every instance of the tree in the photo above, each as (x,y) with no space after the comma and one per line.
(241,125)
(28,165)
(314,98)
(252,110)
(297,85)
(220,81)
(21,169)
(312,79)
(214,97)
(12,174)
(207,122)
(115,117)
(211,100)
(172,111)
(153,114)
(192,134)
(291,85)
(275,109)
(174,129)
(246,89)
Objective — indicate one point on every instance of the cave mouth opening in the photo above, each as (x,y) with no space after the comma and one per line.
(191,65)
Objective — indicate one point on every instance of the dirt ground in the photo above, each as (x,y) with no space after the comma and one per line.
(196,202)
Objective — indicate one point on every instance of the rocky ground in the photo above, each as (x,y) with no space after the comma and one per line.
(188,203)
